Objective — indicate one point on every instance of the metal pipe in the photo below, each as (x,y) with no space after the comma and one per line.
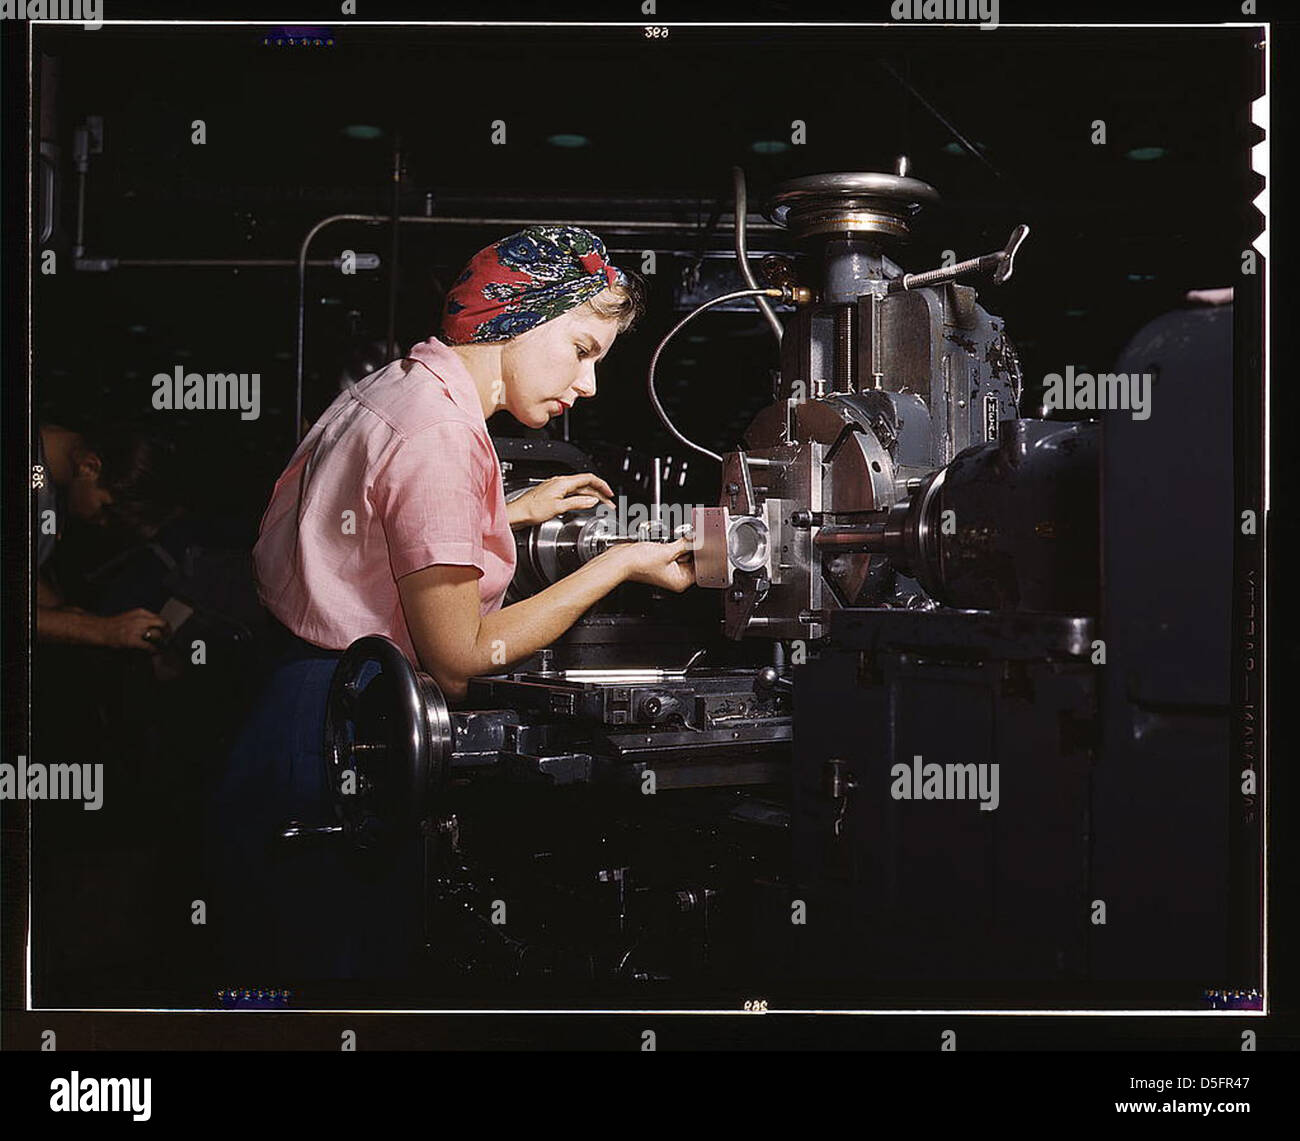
(216,263)
(608,224)
(742,251)
(397,230)
(302,306)
(788,293)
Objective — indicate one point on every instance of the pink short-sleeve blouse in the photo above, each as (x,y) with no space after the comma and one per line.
(398,474)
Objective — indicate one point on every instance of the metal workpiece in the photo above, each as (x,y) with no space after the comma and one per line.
(748,546)
(818,456)
(712,566)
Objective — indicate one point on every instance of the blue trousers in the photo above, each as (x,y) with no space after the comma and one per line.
(309,908)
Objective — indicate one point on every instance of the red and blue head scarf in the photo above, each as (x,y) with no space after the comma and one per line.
(524,280)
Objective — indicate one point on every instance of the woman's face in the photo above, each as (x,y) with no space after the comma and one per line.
(546,369)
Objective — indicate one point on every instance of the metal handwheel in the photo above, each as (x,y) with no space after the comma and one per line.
(388,742)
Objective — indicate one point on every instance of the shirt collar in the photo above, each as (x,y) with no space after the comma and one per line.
(440,360)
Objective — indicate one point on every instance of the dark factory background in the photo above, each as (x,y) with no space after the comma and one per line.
(606,130)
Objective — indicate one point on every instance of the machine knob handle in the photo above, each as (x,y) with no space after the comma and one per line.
(769,681)
(1000,263)
(1008,255)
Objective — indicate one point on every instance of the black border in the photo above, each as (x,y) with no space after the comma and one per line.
(616,1033)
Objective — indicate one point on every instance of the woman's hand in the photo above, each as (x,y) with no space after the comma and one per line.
(557,495)
(670,566)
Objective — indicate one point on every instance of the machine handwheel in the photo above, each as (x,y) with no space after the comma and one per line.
(388,742)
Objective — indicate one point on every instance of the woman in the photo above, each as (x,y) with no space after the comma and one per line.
(391,518)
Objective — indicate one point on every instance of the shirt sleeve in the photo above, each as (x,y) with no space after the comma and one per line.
(429,495)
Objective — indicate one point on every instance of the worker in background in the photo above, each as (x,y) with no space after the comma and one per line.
(114,475)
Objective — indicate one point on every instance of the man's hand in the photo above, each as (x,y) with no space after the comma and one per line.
(557,495)
(132,630)
(137,629)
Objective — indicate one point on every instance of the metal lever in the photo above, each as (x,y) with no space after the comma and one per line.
(768,681)
(1001,264)
(1008,255)
(838,783)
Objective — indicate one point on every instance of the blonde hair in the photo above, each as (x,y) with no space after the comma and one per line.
(626,305)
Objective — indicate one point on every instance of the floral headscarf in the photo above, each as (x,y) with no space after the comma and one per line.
(524,280)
